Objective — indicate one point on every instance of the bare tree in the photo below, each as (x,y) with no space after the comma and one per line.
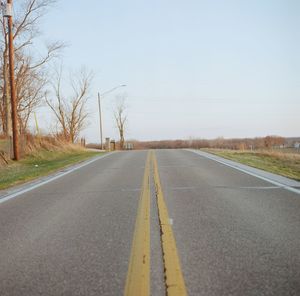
(121,119)
(29,68)
(70,111)
(273,141)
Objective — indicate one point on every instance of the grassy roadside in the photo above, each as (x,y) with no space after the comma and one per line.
(40,164)
(281,163)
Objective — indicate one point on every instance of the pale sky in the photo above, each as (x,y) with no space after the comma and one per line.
(193,68)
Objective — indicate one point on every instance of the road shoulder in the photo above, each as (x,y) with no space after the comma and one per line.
(17,190)
(277,180)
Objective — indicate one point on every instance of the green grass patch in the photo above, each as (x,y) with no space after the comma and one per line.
(40,164)
(281,163)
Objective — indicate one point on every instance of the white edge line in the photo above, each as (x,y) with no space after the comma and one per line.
(50,179)
(289,188)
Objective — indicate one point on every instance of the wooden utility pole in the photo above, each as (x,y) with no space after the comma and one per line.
(12,81)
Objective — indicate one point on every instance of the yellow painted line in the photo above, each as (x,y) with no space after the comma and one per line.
(173,275)
(138,275)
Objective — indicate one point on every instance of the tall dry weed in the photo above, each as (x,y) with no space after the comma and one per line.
(36,144)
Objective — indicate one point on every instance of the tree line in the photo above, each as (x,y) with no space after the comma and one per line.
(220,143)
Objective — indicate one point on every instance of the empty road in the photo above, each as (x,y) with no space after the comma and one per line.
(165,221)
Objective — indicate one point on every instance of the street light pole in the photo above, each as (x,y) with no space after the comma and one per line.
(100,120)
(100,110)
(8,14)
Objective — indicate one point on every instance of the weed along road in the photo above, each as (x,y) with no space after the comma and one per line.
(151,223)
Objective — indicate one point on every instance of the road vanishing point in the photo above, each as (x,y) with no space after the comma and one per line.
(163,222)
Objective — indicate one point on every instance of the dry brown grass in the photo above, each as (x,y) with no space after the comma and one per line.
(283,155)
(36,144)
(43,156)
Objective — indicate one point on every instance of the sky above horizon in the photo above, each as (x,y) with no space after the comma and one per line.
(193,68)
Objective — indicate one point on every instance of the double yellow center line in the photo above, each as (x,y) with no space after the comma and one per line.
(138,276)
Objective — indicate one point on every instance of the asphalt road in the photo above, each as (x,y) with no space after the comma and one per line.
(235,234)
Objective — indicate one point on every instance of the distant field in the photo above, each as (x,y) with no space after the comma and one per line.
(39,164)
(285,163)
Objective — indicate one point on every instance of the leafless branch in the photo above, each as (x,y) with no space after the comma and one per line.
(70,112)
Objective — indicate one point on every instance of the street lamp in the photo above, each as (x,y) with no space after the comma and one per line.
(100,110)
